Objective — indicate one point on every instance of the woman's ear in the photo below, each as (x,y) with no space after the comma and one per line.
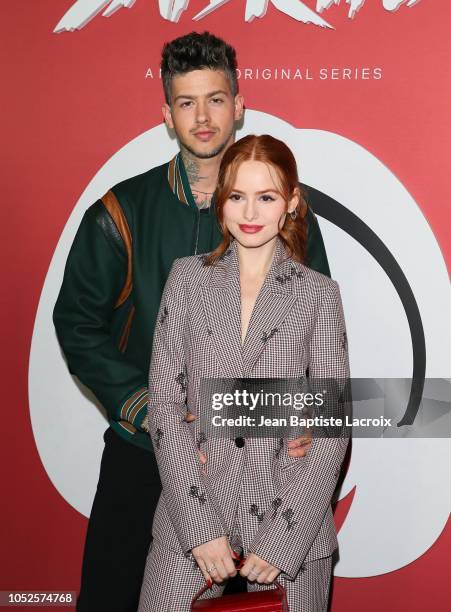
(297,203)
(294,201)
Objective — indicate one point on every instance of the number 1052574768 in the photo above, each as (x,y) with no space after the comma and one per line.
(37,598)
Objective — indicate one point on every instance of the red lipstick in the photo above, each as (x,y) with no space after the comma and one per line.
(250,229)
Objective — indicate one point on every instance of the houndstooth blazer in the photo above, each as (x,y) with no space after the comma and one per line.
(281,506)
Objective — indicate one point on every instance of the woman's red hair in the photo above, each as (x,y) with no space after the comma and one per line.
(276,154)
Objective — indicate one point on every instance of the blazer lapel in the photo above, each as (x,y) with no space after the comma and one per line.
(221,298)
(222,305)
(271,308)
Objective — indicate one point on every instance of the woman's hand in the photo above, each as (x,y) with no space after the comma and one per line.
(256,569)
(215,560)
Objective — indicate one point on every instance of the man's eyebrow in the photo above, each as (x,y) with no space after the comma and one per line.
(209,95)
(218,91)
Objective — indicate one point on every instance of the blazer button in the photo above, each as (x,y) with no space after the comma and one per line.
(239,442)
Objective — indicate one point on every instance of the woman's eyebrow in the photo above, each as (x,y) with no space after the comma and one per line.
(266,191)
(258,192)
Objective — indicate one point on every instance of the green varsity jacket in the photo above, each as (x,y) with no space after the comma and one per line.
(114,277)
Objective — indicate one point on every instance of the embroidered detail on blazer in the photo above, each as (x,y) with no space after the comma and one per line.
(164,315)
(297,273)
(279,448)
(158,435)
(181,380)
(276,503)
(209,331)
(254,511)
(302,568)
(283,278)
(201,438)
(344,341)
(288,515)
(194,492)
(267,336)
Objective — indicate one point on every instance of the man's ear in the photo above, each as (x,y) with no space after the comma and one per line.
(167,115)
(239,106)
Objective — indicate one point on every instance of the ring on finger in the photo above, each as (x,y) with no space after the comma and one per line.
(254,573)
(212,568)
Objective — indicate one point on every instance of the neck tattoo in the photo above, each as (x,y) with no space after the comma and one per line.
(202,198)
(192,168)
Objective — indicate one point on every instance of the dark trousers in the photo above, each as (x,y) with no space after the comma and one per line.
(120,528)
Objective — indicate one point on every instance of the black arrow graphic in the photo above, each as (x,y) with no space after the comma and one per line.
(328,208)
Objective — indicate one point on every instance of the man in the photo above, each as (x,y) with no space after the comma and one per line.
(109,300)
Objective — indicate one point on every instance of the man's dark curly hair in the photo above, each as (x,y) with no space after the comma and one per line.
(196,51)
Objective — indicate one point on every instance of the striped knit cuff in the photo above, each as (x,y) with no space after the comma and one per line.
(134,409)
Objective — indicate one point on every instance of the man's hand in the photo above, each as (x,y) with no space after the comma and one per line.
(189,418)
(256,569)
(215,560)
(300,446)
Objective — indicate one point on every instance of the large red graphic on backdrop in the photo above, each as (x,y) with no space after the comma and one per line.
(81,97)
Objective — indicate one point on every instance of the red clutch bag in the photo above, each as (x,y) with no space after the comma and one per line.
(274,600)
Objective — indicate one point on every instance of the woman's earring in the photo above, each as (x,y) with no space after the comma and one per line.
(293,214)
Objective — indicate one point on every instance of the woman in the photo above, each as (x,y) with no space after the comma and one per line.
(249,309)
